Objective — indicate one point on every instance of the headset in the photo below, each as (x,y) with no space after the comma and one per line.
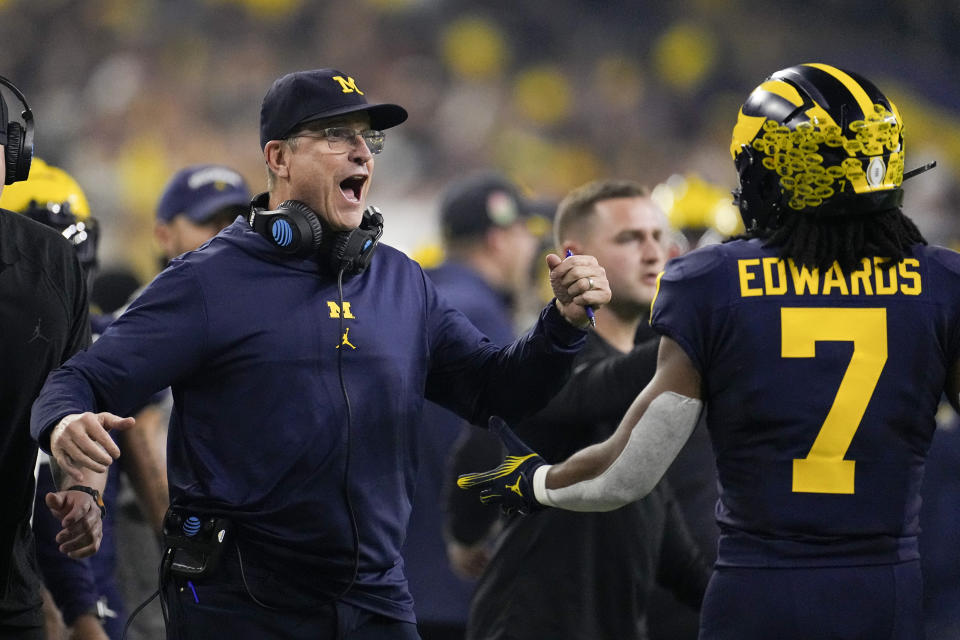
(295,229)
(19,147)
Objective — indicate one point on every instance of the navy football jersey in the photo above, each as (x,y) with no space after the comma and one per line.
(821,389)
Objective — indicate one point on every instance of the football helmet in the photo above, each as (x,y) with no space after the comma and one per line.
(818,140)
(52,197)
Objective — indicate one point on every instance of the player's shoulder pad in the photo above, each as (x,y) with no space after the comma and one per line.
(694,264)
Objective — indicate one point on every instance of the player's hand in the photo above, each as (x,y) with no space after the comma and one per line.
(511,484)
(578,281)
(80,441)
(79,515)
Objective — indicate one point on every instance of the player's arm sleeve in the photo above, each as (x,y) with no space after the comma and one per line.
(161,337)
(654,441)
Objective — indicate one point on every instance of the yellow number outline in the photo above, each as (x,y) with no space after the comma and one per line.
(824,470)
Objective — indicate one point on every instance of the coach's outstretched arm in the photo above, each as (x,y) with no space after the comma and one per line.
(612,473)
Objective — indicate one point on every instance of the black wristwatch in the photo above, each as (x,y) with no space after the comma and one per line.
(94,493)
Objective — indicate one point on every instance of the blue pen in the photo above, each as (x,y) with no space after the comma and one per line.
(593,321)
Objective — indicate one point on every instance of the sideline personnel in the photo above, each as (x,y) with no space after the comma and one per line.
(299,362)
(43,321)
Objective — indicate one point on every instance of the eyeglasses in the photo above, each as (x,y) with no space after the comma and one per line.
(344,139)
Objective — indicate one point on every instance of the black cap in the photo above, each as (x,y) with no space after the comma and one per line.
(303,96)
(478,202)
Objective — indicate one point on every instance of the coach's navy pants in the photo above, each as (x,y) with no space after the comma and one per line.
(222,608)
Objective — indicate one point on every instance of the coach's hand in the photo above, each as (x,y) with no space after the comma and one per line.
(80,441)
(511,484)
(578,282)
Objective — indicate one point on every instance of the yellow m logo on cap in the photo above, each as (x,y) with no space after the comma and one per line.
(347,84)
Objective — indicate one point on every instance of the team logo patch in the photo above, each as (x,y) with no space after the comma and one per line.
(347,85)
(335,310)
(282,233)
(876,171)
(345,340)
(502,209)
(220,177)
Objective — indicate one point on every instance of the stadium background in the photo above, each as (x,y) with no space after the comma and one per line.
(553,92)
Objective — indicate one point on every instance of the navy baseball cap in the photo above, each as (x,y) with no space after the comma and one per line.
(320,93)
(201,190)
(478,202)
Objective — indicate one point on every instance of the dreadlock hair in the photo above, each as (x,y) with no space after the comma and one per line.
(818,242)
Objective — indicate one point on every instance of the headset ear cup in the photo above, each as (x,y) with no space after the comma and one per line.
(353,250)
(300,211)
(338,252)
(25,155)
(13,152)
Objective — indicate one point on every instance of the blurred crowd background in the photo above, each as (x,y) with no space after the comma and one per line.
(551,92)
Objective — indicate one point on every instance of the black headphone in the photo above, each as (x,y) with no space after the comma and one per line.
(19,147)
(295,229)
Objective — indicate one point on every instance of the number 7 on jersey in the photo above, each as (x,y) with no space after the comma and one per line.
(825,470)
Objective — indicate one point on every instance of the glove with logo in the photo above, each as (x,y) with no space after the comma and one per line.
(511,484)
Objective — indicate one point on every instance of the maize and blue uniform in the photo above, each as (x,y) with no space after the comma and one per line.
(249,340)
(821,389)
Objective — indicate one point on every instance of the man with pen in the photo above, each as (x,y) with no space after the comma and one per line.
(563,575)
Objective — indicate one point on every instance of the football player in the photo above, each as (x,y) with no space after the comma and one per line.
(821,341)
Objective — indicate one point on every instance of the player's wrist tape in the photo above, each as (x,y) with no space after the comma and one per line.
(93,492)
(540,485)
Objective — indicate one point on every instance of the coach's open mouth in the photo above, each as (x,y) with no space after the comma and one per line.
(352,187)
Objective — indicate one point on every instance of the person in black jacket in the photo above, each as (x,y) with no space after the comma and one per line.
(564,575)
(43,321)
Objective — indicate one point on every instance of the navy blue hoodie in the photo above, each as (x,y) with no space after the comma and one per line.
(249,341)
